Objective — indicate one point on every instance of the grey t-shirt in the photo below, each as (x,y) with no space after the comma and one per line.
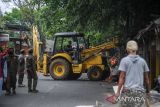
(134,66)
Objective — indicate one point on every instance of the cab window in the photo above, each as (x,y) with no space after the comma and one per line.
(58,45)
(81,42)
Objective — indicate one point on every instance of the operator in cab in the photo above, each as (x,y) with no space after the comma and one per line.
(69,46)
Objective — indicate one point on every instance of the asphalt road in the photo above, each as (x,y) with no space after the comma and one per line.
(79,93)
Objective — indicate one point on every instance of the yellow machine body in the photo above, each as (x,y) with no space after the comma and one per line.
(37,48)
(62,55)
(62,62)
(94,60)
(76,68)
(97,57)
(92,55)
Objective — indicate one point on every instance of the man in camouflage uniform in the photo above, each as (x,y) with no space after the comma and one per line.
(12,63)
(31,71)
(21,68)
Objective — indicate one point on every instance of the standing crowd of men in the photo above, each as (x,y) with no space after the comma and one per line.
(11,65)
(133,80)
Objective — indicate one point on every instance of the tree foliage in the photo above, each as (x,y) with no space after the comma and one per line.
(115,16)
(99,18)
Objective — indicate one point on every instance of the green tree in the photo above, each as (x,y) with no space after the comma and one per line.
(112,17)
(99,18)
(13,17)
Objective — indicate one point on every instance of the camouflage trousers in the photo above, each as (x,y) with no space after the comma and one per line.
(132,98)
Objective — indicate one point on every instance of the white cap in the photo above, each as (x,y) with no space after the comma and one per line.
(132,45)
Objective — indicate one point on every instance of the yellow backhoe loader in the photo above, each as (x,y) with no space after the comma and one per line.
(71,56)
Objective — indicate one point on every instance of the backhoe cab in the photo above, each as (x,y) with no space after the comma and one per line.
(70,43)
(71,57)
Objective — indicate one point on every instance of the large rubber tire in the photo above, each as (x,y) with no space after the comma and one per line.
(95,73)
(60,69)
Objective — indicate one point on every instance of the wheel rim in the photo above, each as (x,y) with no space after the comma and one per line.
(58,69)
(95,74)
